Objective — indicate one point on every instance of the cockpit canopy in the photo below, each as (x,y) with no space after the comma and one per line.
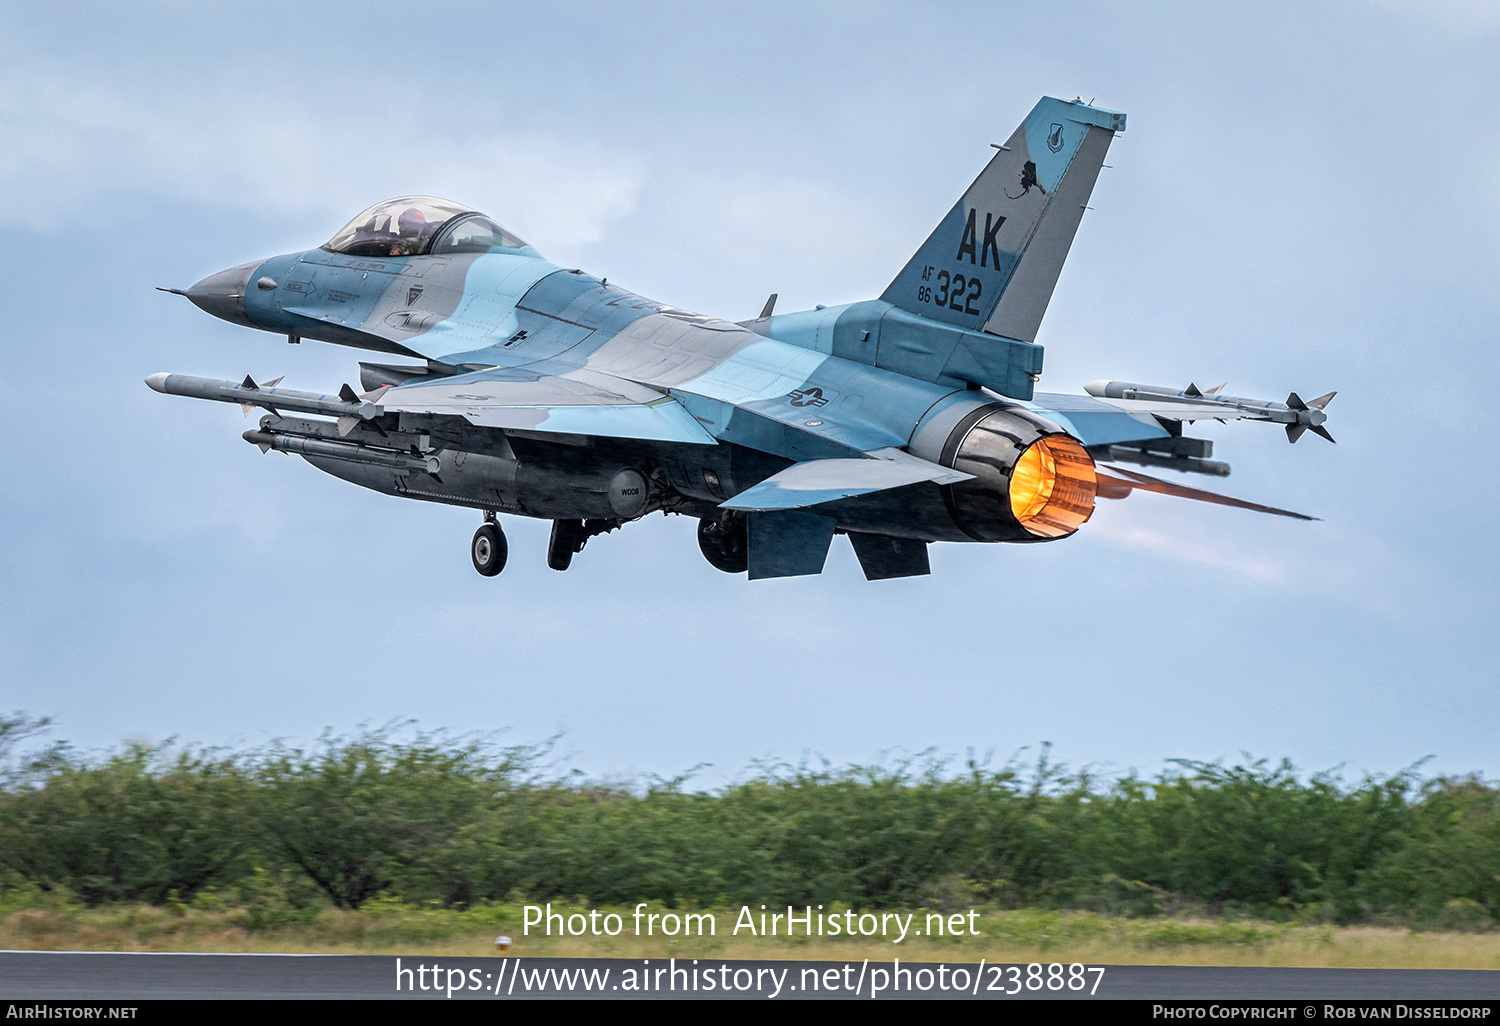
(414,225)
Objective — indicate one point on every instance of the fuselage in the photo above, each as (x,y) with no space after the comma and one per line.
(548,392)
(767,401)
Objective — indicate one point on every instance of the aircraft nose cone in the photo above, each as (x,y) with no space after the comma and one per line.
(223,294)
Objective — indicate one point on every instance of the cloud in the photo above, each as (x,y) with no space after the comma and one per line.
(72,145)
(1463,16)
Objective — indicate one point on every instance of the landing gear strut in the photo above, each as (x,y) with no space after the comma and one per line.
(489,549)
(570,536)
(725,542)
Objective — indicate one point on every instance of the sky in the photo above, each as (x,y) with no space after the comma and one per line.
(1307,197)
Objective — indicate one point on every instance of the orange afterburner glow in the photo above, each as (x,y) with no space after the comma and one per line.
(1052,487)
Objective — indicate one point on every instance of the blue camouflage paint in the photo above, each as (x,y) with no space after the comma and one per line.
(940,253)
(803,485)
(566,317)
(667,422)
(1094,422)
(519,345)
(960,273)
(841,402)
(881,335)
(344,289)
(810,329)
(264,309)
(486,316)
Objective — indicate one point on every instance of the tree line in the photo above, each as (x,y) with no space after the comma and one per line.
(429,818)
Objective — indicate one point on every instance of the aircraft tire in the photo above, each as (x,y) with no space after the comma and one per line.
(563,543)
(489,550)
(724,543)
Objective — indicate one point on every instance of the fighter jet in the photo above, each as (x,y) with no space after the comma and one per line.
(511,385)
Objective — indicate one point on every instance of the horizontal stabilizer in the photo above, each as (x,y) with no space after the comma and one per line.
(818,481)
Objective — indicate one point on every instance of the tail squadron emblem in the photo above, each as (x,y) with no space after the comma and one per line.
(1028,179)
(1054,138)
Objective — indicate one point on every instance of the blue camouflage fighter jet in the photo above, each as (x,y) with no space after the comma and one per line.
(526,388)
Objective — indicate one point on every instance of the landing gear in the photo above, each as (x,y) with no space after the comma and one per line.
(570,536)
(488,549)
(567,538)
(725,542)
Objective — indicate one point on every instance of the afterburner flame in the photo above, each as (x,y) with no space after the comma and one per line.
(1052,487)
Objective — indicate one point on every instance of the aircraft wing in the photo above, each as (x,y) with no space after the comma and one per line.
(574,402)
(817,481)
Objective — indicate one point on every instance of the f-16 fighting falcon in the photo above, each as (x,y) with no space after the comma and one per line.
(520,387)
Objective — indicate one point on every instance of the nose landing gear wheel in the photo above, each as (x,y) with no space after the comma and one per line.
(489,550)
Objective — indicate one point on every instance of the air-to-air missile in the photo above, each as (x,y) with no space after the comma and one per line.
(1298,416)
(338,441)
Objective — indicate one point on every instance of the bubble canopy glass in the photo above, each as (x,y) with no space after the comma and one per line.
(414,225)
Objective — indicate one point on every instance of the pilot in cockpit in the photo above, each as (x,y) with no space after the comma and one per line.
(395,236)
(412,231)
(409,226)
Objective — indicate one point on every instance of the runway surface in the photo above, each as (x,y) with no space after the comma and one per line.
(112,976)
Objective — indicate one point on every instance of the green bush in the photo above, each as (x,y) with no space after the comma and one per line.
(281,833)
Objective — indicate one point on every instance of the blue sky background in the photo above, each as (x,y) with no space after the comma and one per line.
(1307,197)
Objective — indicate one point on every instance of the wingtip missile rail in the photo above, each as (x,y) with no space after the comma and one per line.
(1297,415)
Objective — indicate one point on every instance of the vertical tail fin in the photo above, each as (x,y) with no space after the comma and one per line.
(993,261)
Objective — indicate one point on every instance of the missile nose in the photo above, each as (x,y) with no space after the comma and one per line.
(223,294)
(158,381)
